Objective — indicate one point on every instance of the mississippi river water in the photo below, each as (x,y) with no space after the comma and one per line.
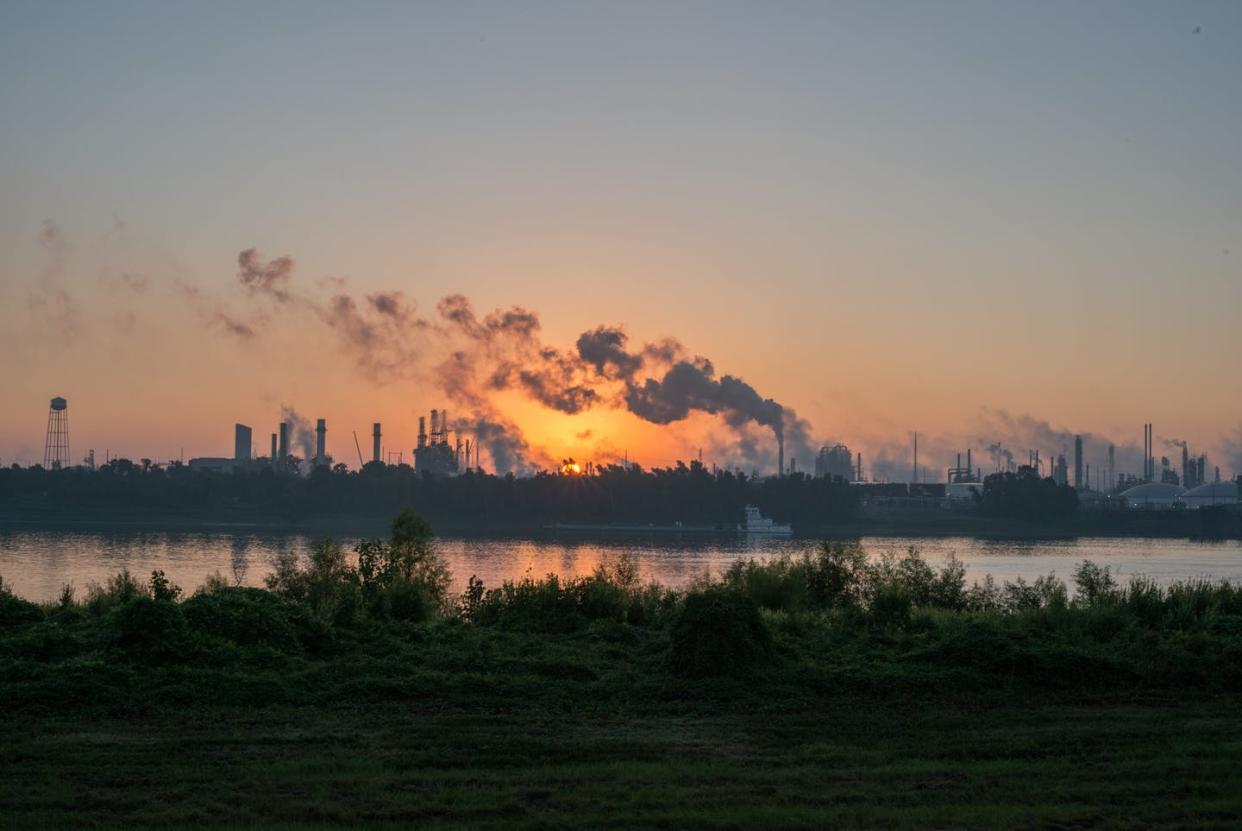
(36,564)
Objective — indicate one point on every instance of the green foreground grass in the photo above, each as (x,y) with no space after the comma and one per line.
(849,762)
(827,690)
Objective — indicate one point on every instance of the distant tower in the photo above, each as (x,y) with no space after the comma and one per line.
(1078,480)
(376,434)
(56,446)
(321,432)
(241,443)
(284,441)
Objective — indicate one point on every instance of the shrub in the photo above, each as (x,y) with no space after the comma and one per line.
(409,556)
(719,632)
(243,616)
(119,590)
(161,588)
(407,600)
(345,593)
(891,606)
(149,631)
(1095,584)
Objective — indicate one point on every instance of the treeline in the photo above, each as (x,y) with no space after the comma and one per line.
(382,622)
(684,493)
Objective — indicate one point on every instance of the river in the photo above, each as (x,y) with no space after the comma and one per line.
(36,564)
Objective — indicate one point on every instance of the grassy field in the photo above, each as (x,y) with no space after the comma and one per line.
(828,690)
(851,762)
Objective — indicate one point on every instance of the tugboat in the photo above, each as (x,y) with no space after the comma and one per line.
(759,525)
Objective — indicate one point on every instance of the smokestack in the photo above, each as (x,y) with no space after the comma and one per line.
(1077,462)
(435,426)
(444,425)
(273,456)
(321,434)
(780,455)
(969,464)
(375,442)
(284,440)
(422,431)
(858,476)
(1185,467)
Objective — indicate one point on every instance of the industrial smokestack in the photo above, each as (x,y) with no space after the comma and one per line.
(241,443)
(1078,463)
(273,456)
(435,426)
(375,442)
(422,431)
(284,440)
(321,434)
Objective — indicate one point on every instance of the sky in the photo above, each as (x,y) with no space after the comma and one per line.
(986,222)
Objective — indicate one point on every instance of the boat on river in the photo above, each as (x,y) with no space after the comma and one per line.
(758,525)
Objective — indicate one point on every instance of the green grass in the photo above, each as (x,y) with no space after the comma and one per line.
(850,762)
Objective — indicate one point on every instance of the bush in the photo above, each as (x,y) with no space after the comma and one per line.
(891,606)
(407,600)
(386,572)
(719,632)
(243,616)
(149,631)
(119,590)
(1095,584)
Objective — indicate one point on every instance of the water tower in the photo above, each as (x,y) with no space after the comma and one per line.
(56,447)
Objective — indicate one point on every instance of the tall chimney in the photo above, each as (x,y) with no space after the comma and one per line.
(284,440)
(273,457)
(1078,482)
(435,426)
(321,434)
(375,442)
(422,431)
(969,465)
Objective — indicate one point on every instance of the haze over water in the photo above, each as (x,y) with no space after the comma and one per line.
(39,563)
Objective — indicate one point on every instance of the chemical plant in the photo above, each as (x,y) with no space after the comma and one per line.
(1158,483)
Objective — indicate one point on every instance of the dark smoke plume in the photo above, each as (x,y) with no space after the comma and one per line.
(471,358)
(264,278)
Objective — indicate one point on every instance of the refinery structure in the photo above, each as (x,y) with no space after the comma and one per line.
(1183,481)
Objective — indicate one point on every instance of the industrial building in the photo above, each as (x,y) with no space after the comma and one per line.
(1153,496)
(835,462)
(434,454)
(1211,495)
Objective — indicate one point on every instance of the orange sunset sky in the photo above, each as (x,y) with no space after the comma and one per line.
(985,227)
